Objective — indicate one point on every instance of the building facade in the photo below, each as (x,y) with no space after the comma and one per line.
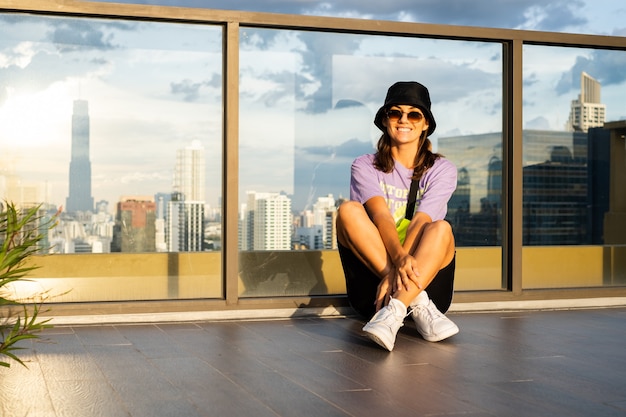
(134,229)
(563,187)
(185,225)
(189,172)
(266,222)
(80,198)
(587,110)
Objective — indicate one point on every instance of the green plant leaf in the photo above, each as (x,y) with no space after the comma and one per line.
(20,237)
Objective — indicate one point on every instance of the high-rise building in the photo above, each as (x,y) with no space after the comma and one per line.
(134,229)
(325,214)
(185,225)
(161,199)
(309,238)
(80,198)
(557,201)
(266,222)
(561,188)
(587,110)
(189,172)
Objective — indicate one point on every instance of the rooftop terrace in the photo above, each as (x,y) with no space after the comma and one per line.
(221,333)
(525,363)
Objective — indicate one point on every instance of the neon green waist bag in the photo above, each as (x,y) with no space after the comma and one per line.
(401,226)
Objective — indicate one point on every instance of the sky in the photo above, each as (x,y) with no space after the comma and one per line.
(154,88)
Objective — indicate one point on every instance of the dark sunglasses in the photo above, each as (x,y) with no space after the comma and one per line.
(412,116)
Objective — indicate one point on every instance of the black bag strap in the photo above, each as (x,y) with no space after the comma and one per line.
(410,206)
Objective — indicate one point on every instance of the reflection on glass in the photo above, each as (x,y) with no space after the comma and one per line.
(119,124)
(475,209)
(568,157)
(566,182)
(307,104)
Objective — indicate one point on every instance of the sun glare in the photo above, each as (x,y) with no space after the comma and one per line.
(29,120)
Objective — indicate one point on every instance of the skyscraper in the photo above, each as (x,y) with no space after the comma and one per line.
(559,208)
(266,222)
(587,111)
(189,173)
(80,198)
(184,230)
(185,225)
(325,214)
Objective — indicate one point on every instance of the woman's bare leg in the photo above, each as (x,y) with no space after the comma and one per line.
(434,248)
(356,232)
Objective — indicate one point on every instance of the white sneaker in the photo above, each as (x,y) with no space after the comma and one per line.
(431,323)
(384,326)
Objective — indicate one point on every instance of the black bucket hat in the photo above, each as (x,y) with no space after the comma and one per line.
(408,93)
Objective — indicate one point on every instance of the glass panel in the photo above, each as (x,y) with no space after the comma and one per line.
(307,104)
(574,174)
(119,125)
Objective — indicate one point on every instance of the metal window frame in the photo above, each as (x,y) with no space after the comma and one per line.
(512,42)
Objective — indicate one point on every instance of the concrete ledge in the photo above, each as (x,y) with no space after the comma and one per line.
(286,313)
(564,304)
(191,316)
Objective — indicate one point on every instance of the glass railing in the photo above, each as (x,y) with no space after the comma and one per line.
(570,161)
(196,157)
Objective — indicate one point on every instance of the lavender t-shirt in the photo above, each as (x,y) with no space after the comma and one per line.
(435,187)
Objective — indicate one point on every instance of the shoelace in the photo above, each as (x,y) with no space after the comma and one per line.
(433,313)
(389,317)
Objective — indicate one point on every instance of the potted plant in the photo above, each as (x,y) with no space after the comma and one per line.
(22,232)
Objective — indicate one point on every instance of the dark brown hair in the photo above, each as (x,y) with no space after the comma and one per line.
(424,159)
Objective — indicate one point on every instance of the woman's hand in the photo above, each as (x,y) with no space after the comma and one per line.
(385,289)
(406,274)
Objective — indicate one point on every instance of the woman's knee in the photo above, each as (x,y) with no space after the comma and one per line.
(443,230)
(441,227)
(352,223)
(350,210)
(447,236)
(350,206)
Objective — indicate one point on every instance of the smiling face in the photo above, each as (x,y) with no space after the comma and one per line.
(405,124)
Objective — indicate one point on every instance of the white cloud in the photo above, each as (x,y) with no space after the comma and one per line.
(19,56)
(128,72)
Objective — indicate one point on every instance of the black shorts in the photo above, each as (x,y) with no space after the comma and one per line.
(362,284)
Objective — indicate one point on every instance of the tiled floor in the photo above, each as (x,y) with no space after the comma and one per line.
(539,363)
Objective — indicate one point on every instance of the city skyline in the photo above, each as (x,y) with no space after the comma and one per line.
(112,69)
(325,173)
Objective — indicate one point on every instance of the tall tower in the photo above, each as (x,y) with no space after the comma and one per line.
(80,198)
(184,229)
(587,111)
(189,173)
(185,225)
